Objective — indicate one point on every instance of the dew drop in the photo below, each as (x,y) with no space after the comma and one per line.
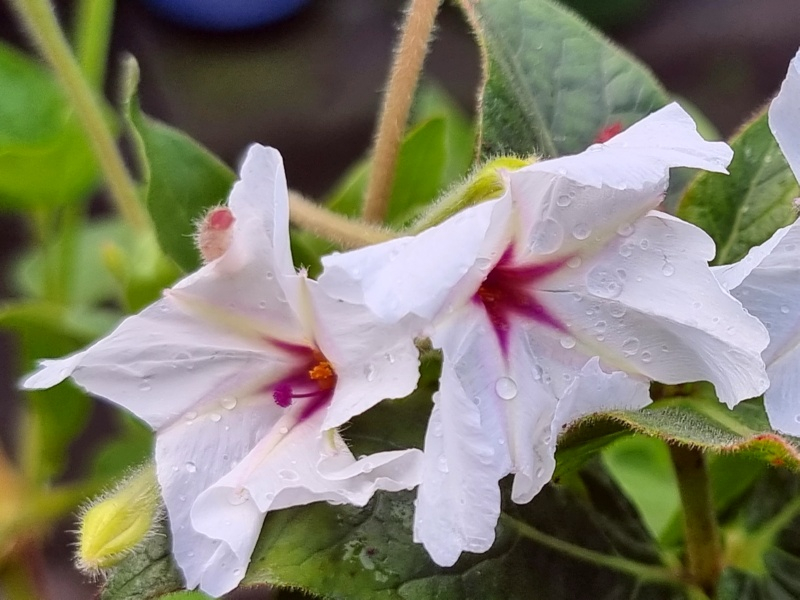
(567,342)
(785,309)
(574,262)
(646,357)
(547,236)
(442,464)
(369,372)
(144,386)
(603,283)
(288,475)
(270,275)
(215,417)
(630,346)
(617,310)
(238,496)
(506,388)
(668,269)
(283,430)
(389,358)
(228,403)
(581,231)
(564,200)
(483,263)
(644,244)
(600,326)
(625,250)
(625,229)
(190,416)
(539,472)
(190,466)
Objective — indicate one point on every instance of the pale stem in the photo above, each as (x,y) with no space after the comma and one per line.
(409,57)
(333,227)
(39,19)
(93,25)
(703,547)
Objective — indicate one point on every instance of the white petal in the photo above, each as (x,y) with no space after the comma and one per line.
(731,276)
(641,155)
(162,363)
(648,304)
(570,205)
(465,448)
(191,455)
(594,390)
(784,116)
(301,467)
(782,399)
(373,360)
(421,275)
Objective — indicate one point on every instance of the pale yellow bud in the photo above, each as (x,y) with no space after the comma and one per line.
(112,526)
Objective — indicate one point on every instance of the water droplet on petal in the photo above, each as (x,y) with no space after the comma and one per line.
(270,275)
(646,357)
(238,496)
(369,372)
(644,244)
(228,403)
(785,310)
(603,283)
(539,472)
(144,386)
(506,388)
(630,346)
(442,464)
(215,417)
(546,237)
(625,250)
(283,430)
(190,466)
(483,263)
(564,200)
(574,262)
(617,310)
(581,231)
(191,416)
(625,229)
(389,358)
(567,342)
(668,269)
(288,475)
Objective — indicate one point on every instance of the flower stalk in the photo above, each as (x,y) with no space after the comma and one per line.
(703,547)
(40,21)
(409,57)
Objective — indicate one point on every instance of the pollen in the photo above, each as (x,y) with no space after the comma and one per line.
(323,374)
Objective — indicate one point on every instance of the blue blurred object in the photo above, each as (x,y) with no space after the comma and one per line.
(226,15)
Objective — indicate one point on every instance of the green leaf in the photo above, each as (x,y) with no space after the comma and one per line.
(45,158)
(700,421)
(131,445)
(762,552)
(743,209)
(553,83)
(182,178)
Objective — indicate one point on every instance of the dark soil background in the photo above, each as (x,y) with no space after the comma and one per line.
(311,85)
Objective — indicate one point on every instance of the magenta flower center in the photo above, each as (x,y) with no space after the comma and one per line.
(509,291)
(313,382)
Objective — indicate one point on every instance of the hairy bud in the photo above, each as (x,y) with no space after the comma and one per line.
(214,232)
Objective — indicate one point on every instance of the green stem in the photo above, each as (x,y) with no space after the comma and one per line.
(93,27)
(703,547)
(616,563)
(39,19)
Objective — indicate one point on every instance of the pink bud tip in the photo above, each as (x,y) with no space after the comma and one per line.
(214,232)
(220,218)
(608,132)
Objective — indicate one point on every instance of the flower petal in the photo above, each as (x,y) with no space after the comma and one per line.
(162,363)
(570,205)
(466,450)
(784,116)
(191,455)
(767,282)
(648,304)
(421,275)
(301,466)
(373,360)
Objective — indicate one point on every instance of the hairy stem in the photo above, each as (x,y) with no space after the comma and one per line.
(409,57)
(703,547)
(331,226)
(39,19)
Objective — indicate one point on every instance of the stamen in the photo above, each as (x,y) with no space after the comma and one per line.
(323,374)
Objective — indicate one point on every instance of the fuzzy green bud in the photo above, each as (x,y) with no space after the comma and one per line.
(117,522)
(485,183)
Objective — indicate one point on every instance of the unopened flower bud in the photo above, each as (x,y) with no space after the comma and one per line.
(214,233)
(112,526)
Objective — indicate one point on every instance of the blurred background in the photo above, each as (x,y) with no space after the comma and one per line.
(309,83)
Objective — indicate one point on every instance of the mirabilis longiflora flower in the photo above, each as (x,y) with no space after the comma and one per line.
(767,280)
(563,297)
(243,369)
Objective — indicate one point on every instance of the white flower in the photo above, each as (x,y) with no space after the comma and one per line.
(521,292)
(241,369)
(767,280)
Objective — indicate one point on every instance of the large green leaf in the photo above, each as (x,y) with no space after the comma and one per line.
(182,178)
(45,159)
(700,421)
(553,83)
(745,208)
(762,542)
